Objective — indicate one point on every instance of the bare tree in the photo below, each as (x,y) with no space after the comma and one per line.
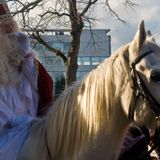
(73,14)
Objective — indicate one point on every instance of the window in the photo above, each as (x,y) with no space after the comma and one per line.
(79,61)
(80,75)
(90,60)
(38,47)
(66,46)
(95,60)
(48,60)
(57,45)
(102,58)
(84,60)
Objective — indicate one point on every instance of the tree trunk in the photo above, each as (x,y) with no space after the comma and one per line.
(76,30)
(72,66)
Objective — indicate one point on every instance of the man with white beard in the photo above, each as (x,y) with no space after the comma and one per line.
(22,94)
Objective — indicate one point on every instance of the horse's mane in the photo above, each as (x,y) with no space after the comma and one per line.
(80,112)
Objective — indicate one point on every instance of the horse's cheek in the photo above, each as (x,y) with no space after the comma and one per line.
(144,116)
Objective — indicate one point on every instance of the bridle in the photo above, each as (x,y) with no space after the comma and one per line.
(140,90)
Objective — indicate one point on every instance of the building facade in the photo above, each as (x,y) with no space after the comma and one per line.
(95,46)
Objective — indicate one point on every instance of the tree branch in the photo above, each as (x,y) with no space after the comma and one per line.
(90,2)
(55,13)
(130,3)
(58,14)
(43,42)
(113,12)
(26,6)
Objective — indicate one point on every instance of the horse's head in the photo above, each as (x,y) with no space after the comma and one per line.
(144,60)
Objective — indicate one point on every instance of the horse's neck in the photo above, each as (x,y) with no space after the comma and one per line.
(108,143)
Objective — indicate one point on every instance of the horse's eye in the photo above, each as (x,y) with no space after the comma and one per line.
(155,77)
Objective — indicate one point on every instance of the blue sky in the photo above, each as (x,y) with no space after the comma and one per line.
(147,10)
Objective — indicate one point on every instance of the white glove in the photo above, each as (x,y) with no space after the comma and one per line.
(20,41)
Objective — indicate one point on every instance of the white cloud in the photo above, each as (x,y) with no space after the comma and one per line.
(149,11)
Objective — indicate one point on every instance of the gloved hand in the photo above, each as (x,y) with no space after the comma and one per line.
(20,41)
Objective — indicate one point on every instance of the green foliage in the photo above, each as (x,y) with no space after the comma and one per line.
(59,85)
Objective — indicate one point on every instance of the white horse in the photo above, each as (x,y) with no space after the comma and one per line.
(90,119)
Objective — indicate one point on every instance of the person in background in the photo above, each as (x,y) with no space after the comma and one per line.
(26,89)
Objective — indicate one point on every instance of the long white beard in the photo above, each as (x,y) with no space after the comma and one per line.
(10,61)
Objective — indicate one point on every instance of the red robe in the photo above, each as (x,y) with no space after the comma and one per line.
(45,89)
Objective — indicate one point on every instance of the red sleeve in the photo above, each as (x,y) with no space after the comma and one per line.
(45,88)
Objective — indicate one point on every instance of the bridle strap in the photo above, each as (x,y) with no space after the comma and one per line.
(138,59)
(153,102)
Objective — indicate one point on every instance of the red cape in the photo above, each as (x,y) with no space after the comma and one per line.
(45,89)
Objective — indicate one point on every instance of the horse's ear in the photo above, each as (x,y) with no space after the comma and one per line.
(150,37)
(149,34)
(140,36)
(137,42)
